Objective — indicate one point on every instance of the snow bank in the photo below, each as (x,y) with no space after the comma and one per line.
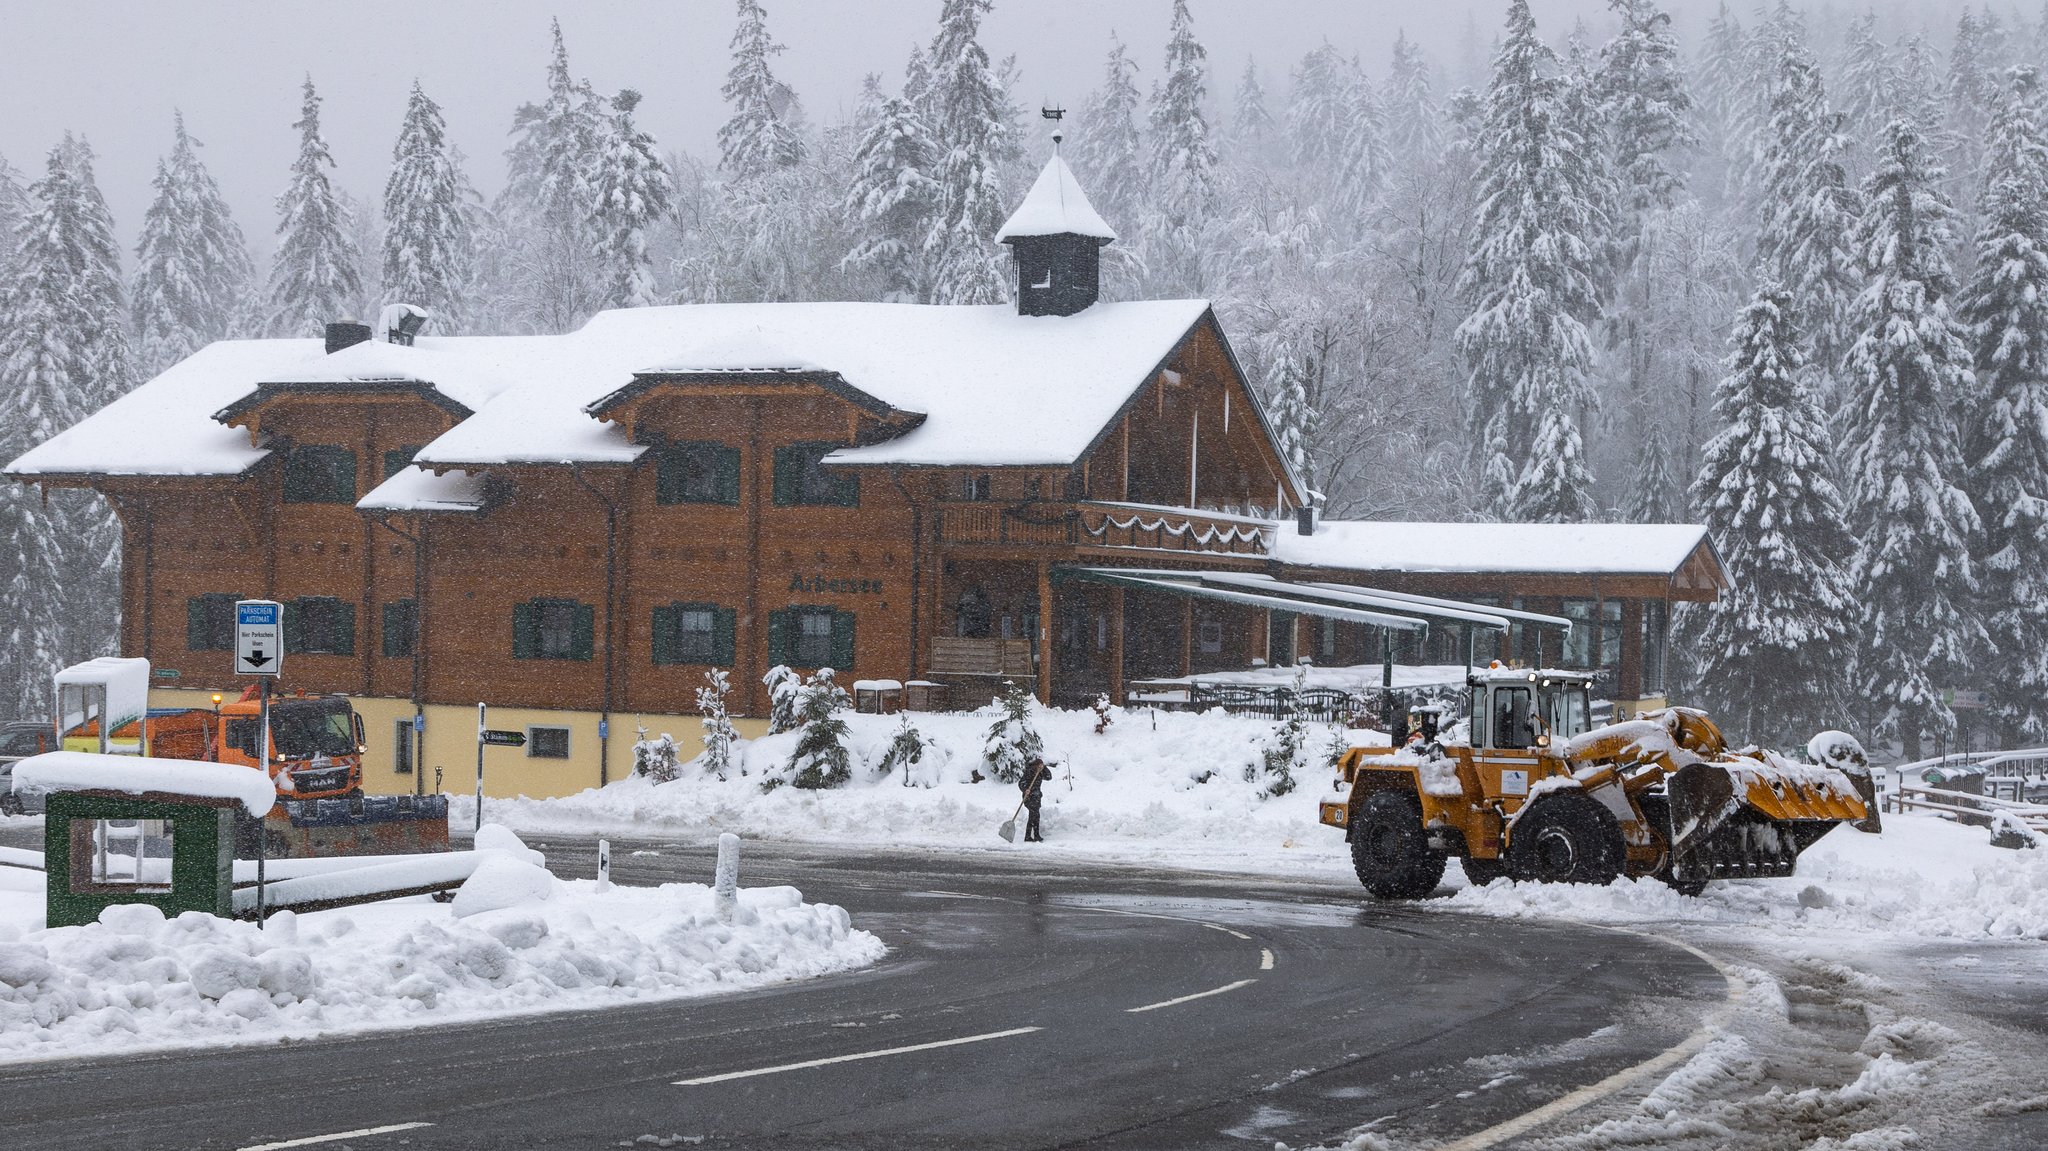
(135,981)
(1177,793)
(1923,876)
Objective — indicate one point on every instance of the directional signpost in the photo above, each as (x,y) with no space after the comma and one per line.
(485,737)
(259,651)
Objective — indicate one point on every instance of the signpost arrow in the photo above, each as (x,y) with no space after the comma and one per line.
(504,738)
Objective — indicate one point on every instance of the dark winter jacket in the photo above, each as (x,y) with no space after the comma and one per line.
(1033,784)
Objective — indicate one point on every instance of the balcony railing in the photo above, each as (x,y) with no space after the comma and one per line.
(1112,525)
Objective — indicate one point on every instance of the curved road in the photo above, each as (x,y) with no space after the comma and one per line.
(1025,1002)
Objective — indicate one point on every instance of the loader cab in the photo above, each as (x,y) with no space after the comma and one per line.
(1515,709)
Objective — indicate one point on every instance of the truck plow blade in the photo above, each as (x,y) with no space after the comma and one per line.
(1746,818)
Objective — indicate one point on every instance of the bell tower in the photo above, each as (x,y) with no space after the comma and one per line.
(1056,237)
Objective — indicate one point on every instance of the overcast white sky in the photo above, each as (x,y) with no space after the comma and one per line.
(114,70)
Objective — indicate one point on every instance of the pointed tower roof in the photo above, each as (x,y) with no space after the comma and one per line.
(1055,206)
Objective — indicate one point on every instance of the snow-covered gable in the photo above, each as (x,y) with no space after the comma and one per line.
(996,388)
(141,775)
(1055,206)
(1371,545)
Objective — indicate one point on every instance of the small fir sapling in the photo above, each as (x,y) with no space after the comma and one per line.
(656,758)
(1104,716)
(1282,753)
(906,750)
(1012,742)
(784,687)
(719,735)
(821,759)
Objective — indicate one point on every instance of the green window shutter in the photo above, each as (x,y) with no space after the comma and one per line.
(523,628)
(294,478)
(848,490)
(394,621)
(584,643)
(294,639)
(787,476)
(344,491)
(722,620)
(343,641)
(195,624)
(664,635)
(668,478)
(398,459)
(842,641)
(778,637)
(729,475)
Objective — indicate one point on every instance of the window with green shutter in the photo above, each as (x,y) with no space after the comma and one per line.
(401,628)
(319,474)
(398,459)
(210,621)
(553,629)
(811,637)
(697,472)
(802,479)
(319,625)
(693,633)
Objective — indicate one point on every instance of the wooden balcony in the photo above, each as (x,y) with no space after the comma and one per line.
(1092,524)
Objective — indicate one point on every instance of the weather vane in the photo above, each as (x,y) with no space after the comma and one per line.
(1055,115)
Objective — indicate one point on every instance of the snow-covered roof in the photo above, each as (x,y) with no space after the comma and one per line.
(1375,545)
(1055,206)
(415,489)
(139,775)
(995,388)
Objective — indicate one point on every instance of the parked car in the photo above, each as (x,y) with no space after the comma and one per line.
(17,741)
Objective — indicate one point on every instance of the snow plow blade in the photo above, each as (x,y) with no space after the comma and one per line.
(1746,819)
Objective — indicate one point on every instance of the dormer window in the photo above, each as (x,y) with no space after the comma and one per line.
(977,487)
(801,478)
(697,473)
(319,474)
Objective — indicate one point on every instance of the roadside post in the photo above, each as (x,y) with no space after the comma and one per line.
(259,652)
(485,737)
(725,883)
(604,865)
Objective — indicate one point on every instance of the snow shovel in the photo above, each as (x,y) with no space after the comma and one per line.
(1009,828)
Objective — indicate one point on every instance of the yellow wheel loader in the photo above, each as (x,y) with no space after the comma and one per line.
(1530,790)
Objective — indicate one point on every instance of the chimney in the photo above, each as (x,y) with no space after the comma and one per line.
(346,334)
(1057,239)
(1305,520)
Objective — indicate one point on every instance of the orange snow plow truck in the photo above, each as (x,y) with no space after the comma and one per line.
(315,757)
(1530,790)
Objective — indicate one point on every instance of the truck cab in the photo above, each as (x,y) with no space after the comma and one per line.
(1517,709)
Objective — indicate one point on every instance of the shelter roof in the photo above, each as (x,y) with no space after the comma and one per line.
(1055,206)
(1572,549)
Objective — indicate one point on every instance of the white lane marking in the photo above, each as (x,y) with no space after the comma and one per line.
(810,1063)
(310,1140)
(1710,1024)
(1225,930)
(1265,959)
(1187,998)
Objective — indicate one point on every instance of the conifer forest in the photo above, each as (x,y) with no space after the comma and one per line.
(1781,270)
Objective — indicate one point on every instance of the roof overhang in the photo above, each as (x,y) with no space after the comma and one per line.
(828,381)
(272,390)
(1193,585)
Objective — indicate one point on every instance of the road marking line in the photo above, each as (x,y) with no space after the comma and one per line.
(1186,998)
(337,1137)
(1710,1024)
(1265,959)
(810,1063)
(1225,930)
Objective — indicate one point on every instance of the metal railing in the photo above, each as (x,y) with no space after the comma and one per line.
(1977,810)
(1104,525)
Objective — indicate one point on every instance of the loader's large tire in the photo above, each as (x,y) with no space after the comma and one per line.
(1566,838)
(1480,872)
(1391,851)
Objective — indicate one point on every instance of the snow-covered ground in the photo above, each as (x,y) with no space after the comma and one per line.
(515,940)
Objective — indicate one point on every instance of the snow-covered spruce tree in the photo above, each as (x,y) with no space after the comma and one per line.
(1912,521)
(2005,306)
(429,253)
(1251,122)
(1184,178)
(316,275)
(32,593)
(821,759)
(755,141)
(907,748)
(719,736)
(1414,124)
(1012,742)
(1918,95)
(1768,654)
(1645,109)
(894,200)
(81,242)
(1530,277)
(1295,419)
(1809,212)
(1869,77)
(784,689)
(547,204)
(1719,91)
(1650,493)
(1284,752)
(192,269)
(966,108)
(1970,96)
(1106,151)
(657,758)
(632,190)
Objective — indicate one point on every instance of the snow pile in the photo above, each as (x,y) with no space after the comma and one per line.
(1923,876)
(1159,786)
(135,981)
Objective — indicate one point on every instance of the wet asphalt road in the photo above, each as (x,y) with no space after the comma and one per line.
(1399,1014)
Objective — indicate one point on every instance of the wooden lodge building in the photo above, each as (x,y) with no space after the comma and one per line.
(576,528)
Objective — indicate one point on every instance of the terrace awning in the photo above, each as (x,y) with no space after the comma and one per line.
(1191,584)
